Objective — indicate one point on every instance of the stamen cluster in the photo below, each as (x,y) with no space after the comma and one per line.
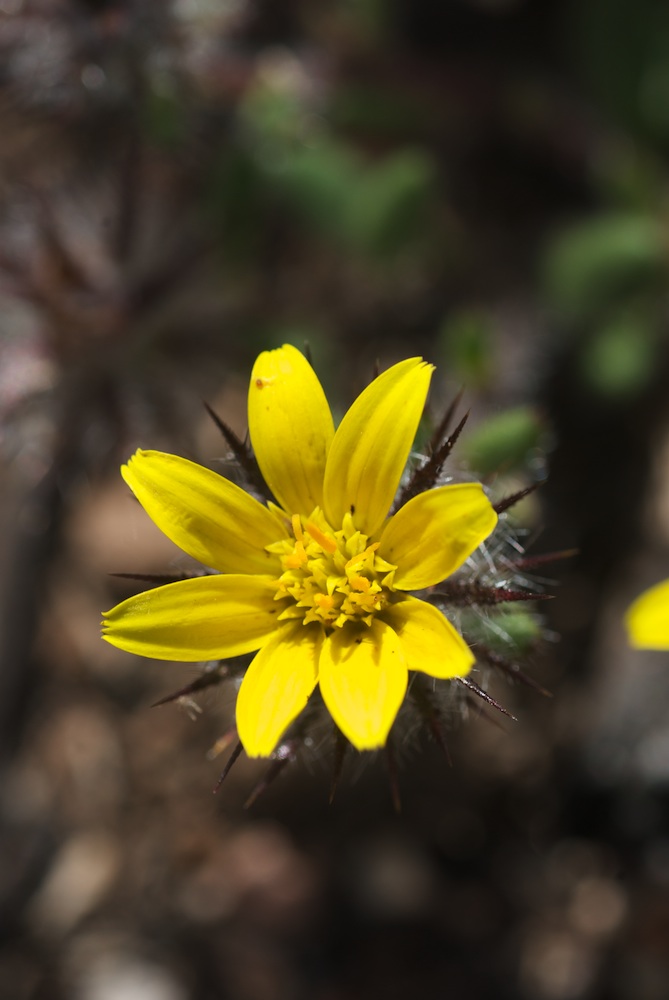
(331,577)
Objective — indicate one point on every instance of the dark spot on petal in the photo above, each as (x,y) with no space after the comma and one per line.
(352,508)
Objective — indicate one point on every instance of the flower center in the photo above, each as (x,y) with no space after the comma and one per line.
(331,577)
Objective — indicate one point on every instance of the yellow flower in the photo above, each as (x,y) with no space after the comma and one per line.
(318,584)
(647,618)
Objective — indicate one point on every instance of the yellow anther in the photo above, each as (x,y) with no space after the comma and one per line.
(325,541)
(297,527)
(324,601)
(360,583)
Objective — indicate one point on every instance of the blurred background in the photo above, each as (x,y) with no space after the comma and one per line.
(184,184)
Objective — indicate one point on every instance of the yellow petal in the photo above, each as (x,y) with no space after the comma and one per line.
(207,618)
(432,535)
(431,644)
(647,619)
(372,444)
(277,686)
(291,428)
(363,680)
(204,514)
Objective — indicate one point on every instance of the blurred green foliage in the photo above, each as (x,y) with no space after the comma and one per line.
(619,359)
(605,280)
(604,260)
(467,341)
(506,632)
(164,118)
(628,177)
(503,443)
(625,54)
(371,110)
(374,207)
(605,275)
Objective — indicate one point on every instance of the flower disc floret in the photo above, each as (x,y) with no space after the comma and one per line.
(331,577)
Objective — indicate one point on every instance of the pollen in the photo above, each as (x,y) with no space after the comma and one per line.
(331,576)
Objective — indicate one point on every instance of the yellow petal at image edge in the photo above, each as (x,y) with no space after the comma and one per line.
(432,535)
(291,428)
(207,618)
(207,516)
(372,445)
(363,679)
(431,644)
(647,619)
(277,686)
